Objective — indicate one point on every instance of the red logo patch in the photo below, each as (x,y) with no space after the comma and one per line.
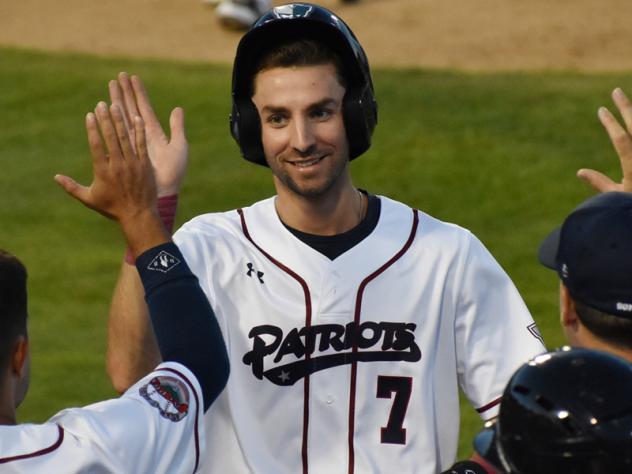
(169,395)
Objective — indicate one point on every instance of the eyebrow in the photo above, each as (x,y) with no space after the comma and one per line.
(323,103)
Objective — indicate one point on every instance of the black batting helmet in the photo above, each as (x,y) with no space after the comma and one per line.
(302,20)
(568,411)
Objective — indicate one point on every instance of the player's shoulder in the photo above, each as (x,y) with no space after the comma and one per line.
(216,224)
(428,226)
(28,441)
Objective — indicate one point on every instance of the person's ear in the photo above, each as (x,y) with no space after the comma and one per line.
(568,314)
(19,356)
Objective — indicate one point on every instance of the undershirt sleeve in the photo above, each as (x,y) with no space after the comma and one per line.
(184,323)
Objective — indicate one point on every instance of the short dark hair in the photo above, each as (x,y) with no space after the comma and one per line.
(12,303)
(299,52)
(615,330)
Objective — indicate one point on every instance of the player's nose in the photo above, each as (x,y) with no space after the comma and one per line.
(302,137)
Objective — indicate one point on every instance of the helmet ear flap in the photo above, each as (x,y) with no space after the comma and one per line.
(360,117)
(245,127)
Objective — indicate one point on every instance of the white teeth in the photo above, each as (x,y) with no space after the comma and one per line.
(305,164)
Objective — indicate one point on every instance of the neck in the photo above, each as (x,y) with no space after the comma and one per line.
(333,213)
(590,341)
(7,404)
(7,420)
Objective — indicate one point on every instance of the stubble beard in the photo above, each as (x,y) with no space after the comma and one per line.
(314,191)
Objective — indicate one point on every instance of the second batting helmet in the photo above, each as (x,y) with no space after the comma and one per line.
(293,21)
(567,411)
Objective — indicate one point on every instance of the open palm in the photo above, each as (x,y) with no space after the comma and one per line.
(168,154)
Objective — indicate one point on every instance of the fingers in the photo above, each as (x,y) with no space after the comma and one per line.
(621,140)
(116,98)
(599,181)
(108,131)
(176,125)
(625,107)
(141,142)
(131,108)
(99,157)
(121,131)
(79,192)
(144,106)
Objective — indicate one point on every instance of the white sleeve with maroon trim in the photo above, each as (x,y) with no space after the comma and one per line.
(154,427)
(494,331)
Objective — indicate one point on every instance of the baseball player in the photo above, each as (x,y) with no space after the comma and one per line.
(591,254)
(352,318)
(157,425)
(566,411)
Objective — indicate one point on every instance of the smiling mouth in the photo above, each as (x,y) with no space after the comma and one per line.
(307,163)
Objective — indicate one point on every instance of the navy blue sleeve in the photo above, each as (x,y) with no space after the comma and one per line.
(184,323)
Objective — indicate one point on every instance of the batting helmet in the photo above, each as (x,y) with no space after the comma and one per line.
(565,411)
(302,20)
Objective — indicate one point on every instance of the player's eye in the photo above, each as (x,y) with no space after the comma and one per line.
(321,113)
(276,120)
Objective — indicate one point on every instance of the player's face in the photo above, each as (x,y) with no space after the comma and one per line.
(302,128)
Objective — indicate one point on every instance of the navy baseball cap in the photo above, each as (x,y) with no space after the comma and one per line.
(592,253)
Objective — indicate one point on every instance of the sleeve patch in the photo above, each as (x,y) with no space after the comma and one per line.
(169,395)
(163,262)
(535,332)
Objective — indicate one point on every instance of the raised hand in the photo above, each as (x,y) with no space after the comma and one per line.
(621,138)
(168,155)
(123,186)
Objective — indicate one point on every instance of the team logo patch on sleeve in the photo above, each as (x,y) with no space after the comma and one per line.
(163,262)
(168,395)
(535,332)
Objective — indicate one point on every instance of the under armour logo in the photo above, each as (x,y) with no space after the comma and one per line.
(251,270)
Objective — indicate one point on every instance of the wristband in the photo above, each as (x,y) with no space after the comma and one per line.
(167,206)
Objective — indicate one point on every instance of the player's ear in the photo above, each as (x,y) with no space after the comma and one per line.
(19,356)
(568,314)
(21,368)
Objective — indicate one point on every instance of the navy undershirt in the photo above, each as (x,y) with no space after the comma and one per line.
(332,246)
(182,318)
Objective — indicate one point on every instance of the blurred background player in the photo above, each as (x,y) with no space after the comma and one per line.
(156,426)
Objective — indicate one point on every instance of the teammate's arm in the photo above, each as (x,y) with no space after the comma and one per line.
(186,329)
(621,138)
(124,189)
(132,349)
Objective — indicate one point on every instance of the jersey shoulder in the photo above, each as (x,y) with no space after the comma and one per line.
(165,406)
(216,224)
(29,442)
(431,231)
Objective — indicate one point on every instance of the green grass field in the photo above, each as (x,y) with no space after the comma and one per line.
(495,153)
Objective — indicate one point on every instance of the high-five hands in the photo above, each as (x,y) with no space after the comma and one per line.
(168,155)
(123,186)
(621,138)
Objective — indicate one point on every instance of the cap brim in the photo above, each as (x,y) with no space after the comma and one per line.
(485,446)
(547,254)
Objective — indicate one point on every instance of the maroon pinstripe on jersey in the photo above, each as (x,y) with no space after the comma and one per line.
(41,452)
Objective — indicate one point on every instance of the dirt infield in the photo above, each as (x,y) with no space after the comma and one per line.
(587,35)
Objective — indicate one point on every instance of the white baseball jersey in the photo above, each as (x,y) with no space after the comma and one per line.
(154,427)
(352,365)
